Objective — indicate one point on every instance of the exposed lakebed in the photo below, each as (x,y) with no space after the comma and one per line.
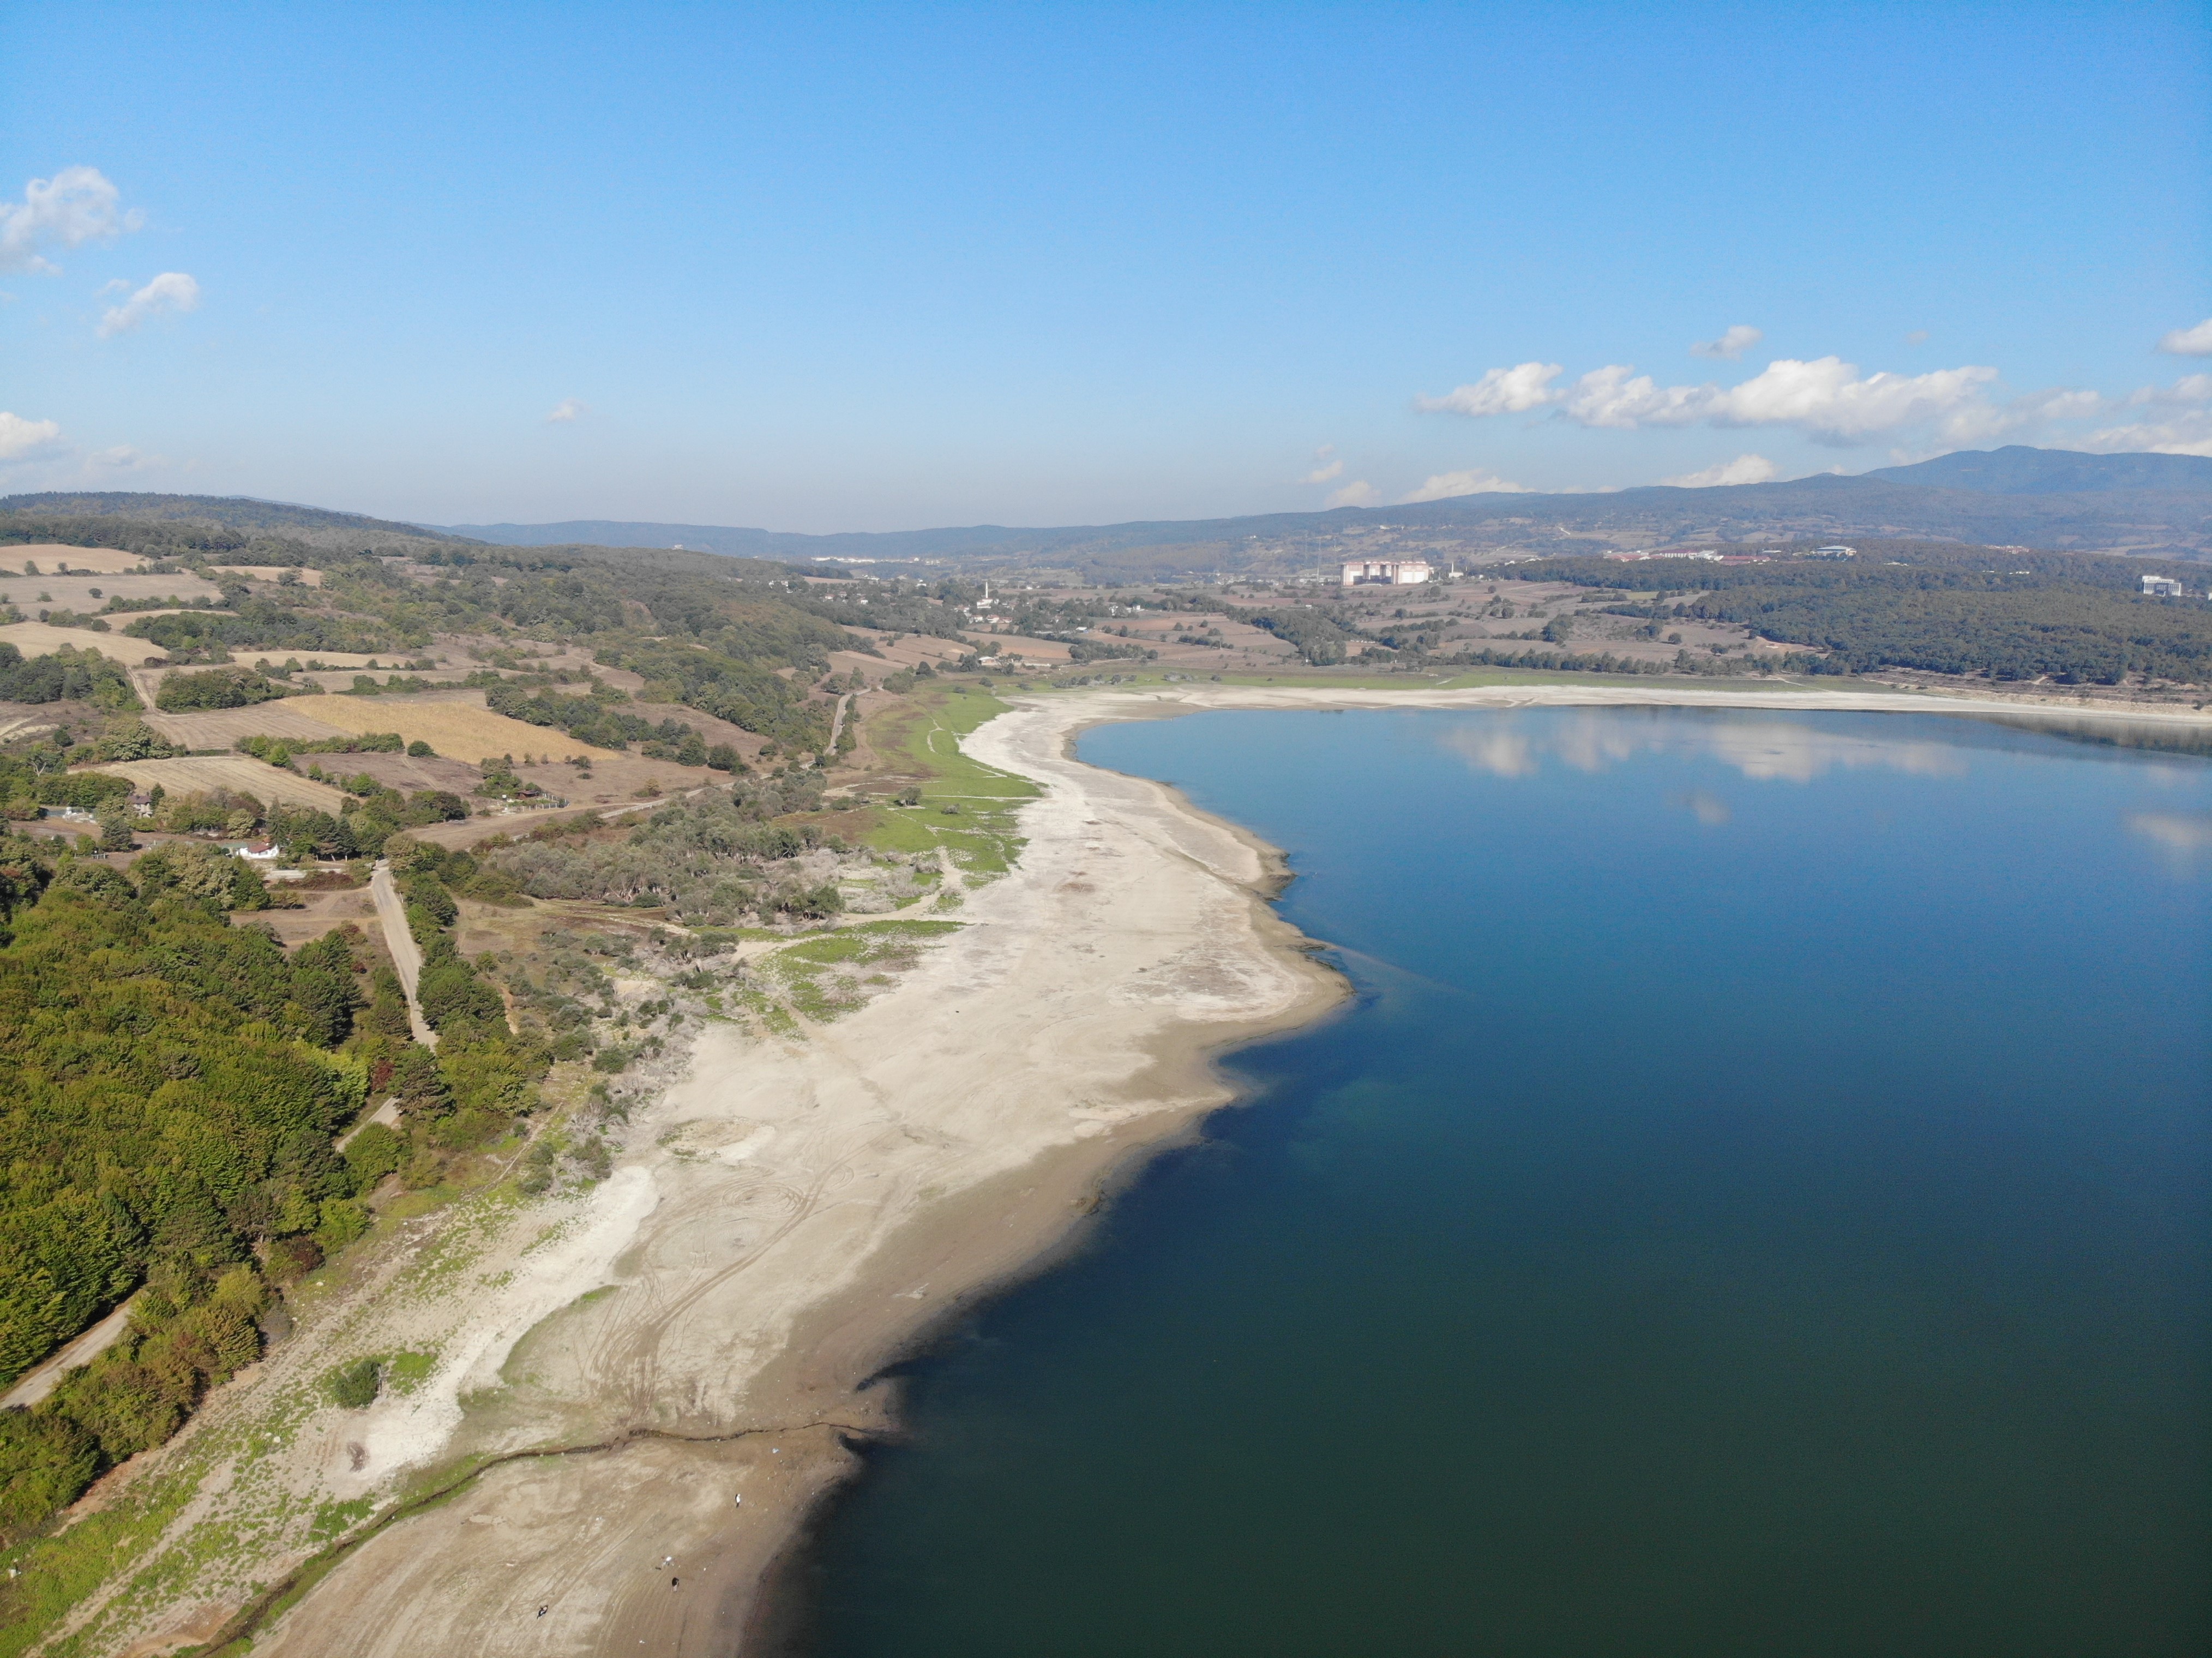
(1758,1204)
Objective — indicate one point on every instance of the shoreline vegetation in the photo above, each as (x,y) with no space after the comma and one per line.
(620,1400)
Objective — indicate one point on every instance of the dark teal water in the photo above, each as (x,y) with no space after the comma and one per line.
(1759,1204)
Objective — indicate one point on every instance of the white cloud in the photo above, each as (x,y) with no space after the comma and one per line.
(2185,428)
(1473,481)
(2189,342)
(1358,493)
(1744,469)
(1918,336)
(76,206)
(1730,345)
(568,408)
(1828,398)
(121,459)
(1326,466)
(172,290)
(1500,392)
(26,439)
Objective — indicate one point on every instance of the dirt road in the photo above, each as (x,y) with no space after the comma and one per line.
(406,957)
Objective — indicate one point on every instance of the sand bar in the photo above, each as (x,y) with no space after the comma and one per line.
(664,1376)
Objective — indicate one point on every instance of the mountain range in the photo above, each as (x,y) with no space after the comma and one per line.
(2144,503)
(2147,504)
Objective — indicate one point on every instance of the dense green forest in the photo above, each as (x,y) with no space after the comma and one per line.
(2007,614)
(176,1087)
(1319,639)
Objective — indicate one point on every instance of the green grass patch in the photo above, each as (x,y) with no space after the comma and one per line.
(925,736)
(404,1372)
(334,1520)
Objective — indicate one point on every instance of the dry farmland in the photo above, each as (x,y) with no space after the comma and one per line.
(87,593)
(220,728)
(234,772)
(37,638)
(49,556)
(458,727)
(402,772)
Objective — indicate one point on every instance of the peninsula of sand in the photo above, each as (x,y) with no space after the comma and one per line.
(639,1392)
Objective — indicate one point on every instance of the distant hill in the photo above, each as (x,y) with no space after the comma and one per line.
(740,543)
(242,512)
(2157,505)
(2017,470)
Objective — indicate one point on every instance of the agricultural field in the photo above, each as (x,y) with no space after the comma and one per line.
(220,728)
(51,555)
(909,651)
(37,638)
(458,728)
(406,772)
(237,773)
(86,595)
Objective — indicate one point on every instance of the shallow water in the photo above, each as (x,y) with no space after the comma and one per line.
(1758,1204)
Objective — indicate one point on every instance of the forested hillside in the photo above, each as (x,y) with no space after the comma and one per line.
(175,1088)
(2005,613)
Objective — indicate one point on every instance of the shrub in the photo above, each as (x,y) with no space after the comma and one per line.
(45,1461)
(371,1154)
(356,1386)
(291,1259)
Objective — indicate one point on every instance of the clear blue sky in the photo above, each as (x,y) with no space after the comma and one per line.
(828,268)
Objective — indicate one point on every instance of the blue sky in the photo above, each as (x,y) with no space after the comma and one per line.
(850,268)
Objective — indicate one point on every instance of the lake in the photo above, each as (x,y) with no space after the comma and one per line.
(1757,1204)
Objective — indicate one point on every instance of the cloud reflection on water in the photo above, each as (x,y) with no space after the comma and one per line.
(1765,750)
(2184,836)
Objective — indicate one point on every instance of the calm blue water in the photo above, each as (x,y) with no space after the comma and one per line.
(1758,1205)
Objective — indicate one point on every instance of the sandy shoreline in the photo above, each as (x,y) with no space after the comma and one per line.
(816,1206)
(660,1384)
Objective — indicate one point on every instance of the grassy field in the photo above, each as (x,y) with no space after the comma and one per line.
(967,808)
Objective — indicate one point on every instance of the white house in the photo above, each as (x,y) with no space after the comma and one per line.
(2162,586)
(1385,572)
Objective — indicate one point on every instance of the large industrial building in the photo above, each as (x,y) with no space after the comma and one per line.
(1385,572)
